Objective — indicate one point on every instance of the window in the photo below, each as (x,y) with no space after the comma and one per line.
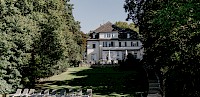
(108,35)
(109,44)
(137,44)
(93,45)
(94,35)
(125,44)
(112,35)
(120,44)
(128,35)
(112,44)
(134,43)
(118,58)
(105,44)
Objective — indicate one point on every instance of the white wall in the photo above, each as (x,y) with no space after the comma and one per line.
(91,50)
(120,51)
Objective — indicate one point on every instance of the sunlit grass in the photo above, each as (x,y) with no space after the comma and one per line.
(105,81)
(68,74)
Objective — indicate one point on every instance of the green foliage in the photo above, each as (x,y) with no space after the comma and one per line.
(38,38)
(84,41)
(125,25)
(9,74)
(170,29)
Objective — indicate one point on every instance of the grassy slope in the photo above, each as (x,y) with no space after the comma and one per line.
(107,81)
(68,75)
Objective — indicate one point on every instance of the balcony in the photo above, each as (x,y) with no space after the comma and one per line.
(122,48)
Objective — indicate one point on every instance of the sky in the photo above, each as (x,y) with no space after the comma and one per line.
(93,13)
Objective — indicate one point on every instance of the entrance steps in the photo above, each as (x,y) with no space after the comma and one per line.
(154,89)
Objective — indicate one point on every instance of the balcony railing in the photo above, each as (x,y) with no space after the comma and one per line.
(121,48)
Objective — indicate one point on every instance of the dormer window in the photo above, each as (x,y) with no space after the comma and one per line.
(108,35)
(134,44)
(94,34)
(128,35)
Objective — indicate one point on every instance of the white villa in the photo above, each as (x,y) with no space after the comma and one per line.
(110,44)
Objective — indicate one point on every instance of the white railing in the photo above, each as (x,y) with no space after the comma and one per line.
(121,48)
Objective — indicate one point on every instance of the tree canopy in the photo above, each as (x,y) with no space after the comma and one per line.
(38,38)
(125,25)
(171,30)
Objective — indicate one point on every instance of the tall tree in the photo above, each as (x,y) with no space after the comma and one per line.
(17,33)
(38,38)
(170,29)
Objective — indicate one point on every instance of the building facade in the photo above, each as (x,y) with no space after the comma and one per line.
(110,44)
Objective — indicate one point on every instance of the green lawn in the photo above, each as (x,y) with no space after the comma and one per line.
(105,81)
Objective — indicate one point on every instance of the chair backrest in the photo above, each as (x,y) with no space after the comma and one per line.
(18,91)
(79,92)
(71,90)
(89,92)
(53,92)
(25,91)
(46,92)
(63,92)
(31,91)
(38,92)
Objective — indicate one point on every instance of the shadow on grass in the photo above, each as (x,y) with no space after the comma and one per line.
(108,80)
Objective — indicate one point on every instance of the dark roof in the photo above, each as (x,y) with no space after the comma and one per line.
(107,27)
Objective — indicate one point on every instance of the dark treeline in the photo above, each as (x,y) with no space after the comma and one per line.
(38,38)
(170,29)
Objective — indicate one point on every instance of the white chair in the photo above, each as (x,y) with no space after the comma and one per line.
(71,92)
(31,91)
(79,93)
(37,94)
(53,93)
(17,93)
(62,93)
(25,92)
(89,92)
(46,93)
